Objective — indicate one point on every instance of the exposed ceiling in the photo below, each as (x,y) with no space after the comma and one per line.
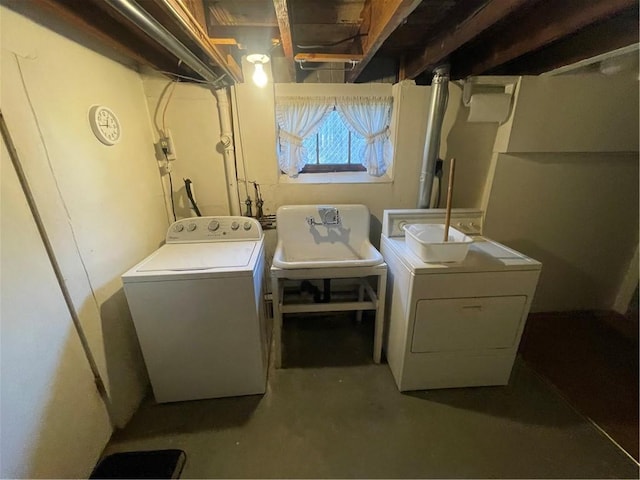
(368,39)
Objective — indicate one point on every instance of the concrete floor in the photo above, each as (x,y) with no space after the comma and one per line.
(332,413)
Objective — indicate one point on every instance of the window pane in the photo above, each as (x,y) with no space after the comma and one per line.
(333,138)
(310,149)
(357,148)
(330,145)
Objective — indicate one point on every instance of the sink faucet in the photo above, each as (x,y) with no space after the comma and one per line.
(328,216)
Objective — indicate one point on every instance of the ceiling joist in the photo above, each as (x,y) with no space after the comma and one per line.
(587,43)
(328,57)
(206,38)
(282,14)
(549,21)
(193,26)
(379,19)
(441,47)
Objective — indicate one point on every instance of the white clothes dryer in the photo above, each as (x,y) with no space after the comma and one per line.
(453,324)
(197,305)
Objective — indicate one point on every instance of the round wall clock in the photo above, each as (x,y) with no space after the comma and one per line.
(105,125)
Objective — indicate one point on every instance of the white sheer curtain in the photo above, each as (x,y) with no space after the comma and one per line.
(298,117)
(370,117)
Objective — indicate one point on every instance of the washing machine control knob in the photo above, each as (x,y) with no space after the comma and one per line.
(247,225)
(235,225)
(178,228)
(213,225)
(191,227)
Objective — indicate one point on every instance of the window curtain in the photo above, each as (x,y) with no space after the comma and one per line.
(298,117)
(370,117)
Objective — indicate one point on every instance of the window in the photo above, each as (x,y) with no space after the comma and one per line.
(334,148)
(333,134)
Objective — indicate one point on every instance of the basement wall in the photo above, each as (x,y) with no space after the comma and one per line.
(563,187)
(190,113)
(103,209)
(54,423)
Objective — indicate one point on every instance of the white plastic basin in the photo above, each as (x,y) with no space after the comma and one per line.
(427,242)
(301,245)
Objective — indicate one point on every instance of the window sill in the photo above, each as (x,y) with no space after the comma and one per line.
(335,177)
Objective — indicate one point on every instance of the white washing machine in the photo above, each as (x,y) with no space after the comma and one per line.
(198,309)
(453,324)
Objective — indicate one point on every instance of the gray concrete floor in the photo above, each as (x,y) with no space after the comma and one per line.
(331,413)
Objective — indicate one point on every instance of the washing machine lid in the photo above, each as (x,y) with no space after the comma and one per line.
(183,257)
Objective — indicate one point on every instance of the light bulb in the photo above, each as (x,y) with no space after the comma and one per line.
(259,75)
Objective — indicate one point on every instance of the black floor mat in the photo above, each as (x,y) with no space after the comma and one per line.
(148,464)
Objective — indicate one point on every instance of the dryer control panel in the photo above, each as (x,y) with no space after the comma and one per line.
(467,220)
(214,229)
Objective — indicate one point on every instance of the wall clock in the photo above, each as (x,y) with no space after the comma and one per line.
(105,125)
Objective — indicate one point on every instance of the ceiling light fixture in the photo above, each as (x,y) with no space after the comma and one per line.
(259,75)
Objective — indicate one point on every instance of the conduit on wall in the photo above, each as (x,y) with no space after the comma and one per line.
(226,139)
(437,107)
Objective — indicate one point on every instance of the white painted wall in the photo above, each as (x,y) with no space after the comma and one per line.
(103,208)
(576,113)
(577,214)
(471,144)
(571,199)
(54,423)
(191,115)
(194,124)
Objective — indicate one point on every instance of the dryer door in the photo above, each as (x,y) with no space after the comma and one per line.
(454,324)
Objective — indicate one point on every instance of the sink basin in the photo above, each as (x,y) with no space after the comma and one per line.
(321,236)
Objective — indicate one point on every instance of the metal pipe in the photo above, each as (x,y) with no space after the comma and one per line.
(133,12)
(437,107)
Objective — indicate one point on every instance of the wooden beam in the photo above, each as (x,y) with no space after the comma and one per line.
(612,34)
(402,69)
(327,57)
(243,32)
(441,47)
(282,14)
(379,19)
(196,7)
(233,65)
(223,41)
(548,22)
(199,36)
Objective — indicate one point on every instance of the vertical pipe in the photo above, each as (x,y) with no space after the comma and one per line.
(437,106)
(226,139)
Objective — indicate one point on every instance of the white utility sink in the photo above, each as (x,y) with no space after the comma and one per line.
(321,236)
